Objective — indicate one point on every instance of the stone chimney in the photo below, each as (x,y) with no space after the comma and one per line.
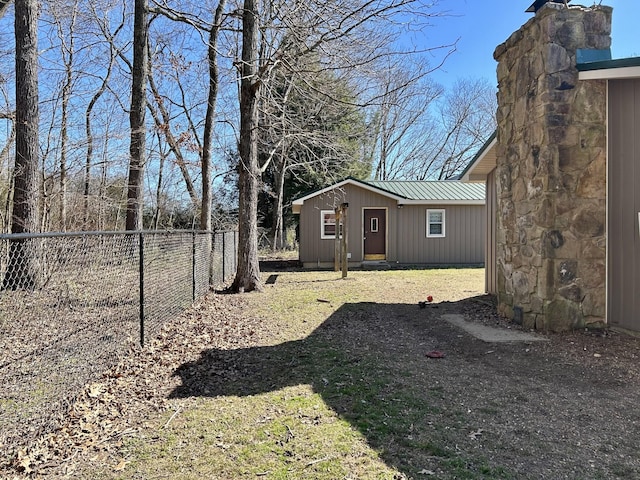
(551,171)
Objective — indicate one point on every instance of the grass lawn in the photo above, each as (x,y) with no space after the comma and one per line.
(323,378)
(313,399)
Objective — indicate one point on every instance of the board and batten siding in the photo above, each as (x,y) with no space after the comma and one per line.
(623,243)
(407,241)
(490,267)
(315,250)
(462,244)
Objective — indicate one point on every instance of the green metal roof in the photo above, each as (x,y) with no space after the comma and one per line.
(607,64)
(447,190)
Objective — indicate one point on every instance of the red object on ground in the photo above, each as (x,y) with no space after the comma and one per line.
(429,298)
(435,354)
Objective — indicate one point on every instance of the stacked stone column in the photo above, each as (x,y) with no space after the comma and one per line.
(551,171)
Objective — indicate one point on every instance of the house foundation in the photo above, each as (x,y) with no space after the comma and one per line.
(551,172)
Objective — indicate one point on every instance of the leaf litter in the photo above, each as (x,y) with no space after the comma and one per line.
(114,408)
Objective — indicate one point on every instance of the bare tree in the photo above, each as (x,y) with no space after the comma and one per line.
(22,270)
(401,122)
(199,134)
(163,157)
(7,178)
(209,121)
(81,118)
(135,191)
(162,120)
(346,35)
(114,52)
(443,139)
(248,267)
(67,37)
(467,119)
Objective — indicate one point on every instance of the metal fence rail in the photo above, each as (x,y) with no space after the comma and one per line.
(71,304)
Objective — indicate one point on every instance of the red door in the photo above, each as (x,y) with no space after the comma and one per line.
(375,234)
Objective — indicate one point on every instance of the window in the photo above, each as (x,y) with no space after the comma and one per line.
(327,224)
(435,223)
(374,224)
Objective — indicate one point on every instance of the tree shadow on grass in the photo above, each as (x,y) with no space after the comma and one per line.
(483,412)
(357,360)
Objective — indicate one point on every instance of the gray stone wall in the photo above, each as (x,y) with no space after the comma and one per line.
(551,171)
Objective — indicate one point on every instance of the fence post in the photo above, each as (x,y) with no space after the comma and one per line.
(141,274)
(235,252)
(209,254)
(193,266)
(224,259)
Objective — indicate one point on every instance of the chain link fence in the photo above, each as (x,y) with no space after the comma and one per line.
(71,304)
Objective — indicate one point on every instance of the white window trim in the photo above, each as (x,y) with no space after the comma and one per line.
(444,222)
(322,234)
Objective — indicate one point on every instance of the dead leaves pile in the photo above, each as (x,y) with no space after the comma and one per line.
(108,411)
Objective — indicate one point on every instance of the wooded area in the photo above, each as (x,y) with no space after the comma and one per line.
(249,104)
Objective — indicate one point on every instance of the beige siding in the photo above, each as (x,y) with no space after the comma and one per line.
(623,205)
(491,274)
(315,250)
(463,243)
(406,230)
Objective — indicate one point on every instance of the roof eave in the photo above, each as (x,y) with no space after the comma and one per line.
(617,73)
(482,159)
(297,203)
(443,202)
(609,69)
(297,208)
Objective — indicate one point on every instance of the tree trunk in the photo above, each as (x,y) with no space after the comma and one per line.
(89,133)
(209,123)
(277,233)
(280,171)
(64,134)
(163,156)
(209,119)
(4,153)
(102,193)
(66,35)
(22,270)
(87,173)
(135,191)
(248,270)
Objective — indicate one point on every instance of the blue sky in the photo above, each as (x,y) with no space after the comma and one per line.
(481,25)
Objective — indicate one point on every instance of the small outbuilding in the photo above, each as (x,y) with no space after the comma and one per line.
(395,222)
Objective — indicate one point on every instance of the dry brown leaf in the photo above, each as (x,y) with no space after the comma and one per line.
(96,389)
(121,466)
(24,461)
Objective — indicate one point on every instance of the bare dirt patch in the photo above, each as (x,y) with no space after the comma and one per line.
(325,378)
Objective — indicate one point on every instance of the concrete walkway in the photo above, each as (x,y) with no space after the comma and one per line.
(491,334)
